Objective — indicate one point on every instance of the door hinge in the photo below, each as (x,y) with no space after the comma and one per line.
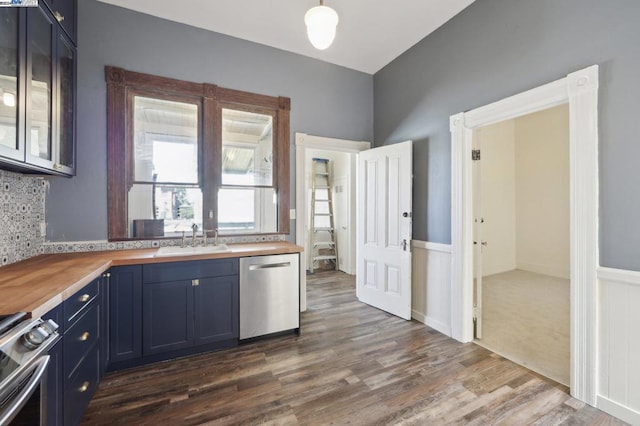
(475,154)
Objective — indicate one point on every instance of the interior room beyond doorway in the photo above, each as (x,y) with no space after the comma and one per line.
(522,259)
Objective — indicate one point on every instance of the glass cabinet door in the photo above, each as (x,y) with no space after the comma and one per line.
(10,145)
(66,68)
(39,88)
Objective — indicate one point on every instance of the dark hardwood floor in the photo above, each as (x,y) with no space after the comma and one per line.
(352,364)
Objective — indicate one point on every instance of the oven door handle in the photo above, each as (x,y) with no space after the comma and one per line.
(36,370)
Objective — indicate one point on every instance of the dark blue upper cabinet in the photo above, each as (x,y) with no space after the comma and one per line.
(38,86)
(65,12)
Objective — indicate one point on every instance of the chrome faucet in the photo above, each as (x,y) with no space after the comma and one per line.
(205,236)
(194,227)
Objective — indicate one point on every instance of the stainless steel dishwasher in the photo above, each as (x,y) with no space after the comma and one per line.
(269,294)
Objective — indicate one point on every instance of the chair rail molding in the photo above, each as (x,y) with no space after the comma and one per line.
(580,91)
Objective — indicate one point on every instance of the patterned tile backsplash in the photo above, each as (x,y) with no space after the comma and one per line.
(102,245)
(22,212)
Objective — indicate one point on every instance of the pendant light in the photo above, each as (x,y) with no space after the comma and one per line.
(321,24)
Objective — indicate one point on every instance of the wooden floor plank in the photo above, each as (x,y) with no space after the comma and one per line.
(352,364)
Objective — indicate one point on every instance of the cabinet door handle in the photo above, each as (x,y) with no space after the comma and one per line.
(84,298)
(195,283)
(58,16)
(84,336)
(106,275)
(84,387)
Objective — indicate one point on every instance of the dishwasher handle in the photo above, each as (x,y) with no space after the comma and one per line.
(269,265)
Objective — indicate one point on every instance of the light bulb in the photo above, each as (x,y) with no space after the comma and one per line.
(321,24)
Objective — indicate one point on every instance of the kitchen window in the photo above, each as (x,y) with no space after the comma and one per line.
(182,153)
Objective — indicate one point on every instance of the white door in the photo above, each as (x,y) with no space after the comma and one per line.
(384,228)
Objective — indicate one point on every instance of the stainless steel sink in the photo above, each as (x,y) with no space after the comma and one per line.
(187,251)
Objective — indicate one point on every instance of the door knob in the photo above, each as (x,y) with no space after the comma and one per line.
(406,214)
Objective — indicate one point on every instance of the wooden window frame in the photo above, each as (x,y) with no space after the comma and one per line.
(121,87)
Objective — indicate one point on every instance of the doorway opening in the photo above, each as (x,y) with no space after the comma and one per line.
(580,90)
(522,242)
(308,146)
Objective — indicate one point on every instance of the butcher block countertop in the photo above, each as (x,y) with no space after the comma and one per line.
(41,283)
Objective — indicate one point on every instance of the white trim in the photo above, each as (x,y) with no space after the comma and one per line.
(431,285)
(620,411)
(580,91)
(304,142)
(619,275)
(445,248)
(418,316)
(437,325)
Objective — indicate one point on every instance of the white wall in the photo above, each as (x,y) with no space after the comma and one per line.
(542,192)
(524,195)
(497,196)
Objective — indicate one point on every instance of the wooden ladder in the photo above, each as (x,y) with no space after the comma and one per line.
(323,242)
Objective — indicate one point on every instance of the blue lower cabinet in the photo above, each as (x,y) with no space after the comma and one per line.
(55,382)
(80,387)
(167,316)
(125,313)
(187,305)
(216,309)
(82,358)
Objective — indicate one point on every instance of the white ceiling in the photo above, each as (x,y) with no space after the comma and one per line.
(371,33)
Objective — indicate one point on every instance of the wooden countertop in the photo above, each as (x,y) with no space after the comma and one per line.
(39,284)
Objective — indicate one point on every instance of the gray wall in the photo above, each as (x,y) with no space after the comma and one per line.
(326,100)
(495,49)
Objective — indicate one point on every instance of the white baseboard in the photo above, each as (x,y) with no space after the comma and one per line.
(626,414)
(551,270)
(438,326)
(418,316)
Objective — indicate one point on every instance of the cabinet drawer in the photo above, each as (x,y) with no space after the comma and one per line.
(81,387)
(81,338)
(74,304)
(175,271)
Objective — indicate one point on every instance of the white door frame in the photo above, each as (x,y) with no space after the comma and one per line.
(304,142)
(580,91)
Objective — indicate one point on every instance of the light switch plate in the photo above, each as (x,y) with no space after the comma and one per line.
(43,229)
(292,214)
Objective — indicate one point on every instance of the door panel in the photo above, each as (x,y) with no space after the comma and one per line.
(167,316)
(384,228)
(216,309)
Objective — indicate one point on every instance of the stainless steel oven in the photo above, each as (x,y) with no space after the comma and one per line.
(24,344)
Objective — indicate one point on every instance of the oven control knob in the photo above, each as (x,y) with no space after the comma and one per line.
(34,338)
(50,326)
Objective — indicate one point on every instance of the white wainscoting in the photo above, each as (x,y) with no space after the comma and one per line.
(431,285)
(619,347)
